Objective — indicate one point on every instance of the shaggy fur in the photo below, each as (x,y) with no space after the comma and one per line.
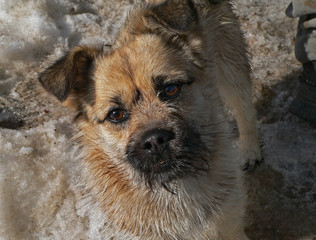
(157,148)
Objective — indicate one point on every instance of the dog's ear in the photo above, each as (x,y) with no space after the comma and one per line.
(175,15)
(70,74)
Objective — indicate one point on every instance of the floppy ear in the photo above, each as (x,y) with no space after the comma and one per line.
(175,15)
(71,73)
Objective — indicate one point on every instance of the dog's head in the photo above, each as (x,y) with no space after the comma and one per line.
(145,102)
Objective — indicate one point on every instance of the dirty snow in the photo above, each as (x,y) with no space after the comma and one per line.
(40,193)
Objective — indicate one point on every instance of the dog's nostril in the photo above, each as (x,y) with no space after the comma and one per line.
(147,146)
(160,140)
(156,139)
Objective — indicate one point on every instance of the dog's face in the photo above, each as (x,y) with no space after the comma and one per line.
(146,104)
(150,106)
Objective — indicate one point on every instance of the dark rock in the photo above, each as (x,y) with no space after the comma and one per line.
(9,120)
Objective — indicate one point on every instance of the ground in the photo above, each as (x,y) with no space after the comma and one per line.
(39,193)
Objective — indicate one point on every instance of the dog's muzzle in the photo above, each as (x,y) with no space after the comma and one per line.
(162,155)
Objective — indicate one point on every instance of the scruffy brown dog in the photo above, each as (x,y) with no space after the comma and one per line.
(157,148)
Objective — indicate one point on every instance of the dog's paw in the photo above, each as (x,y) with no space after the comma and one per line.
(251,159)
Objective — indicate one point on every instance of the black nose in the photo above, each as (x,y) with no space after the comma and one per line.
(156,141)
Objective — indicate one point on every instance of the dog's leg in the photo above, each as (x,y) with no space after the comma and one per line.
(230,227)
(241,235)
(235,90)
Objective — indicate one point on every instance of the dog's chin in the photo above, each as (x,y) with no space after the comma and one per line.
(166,173)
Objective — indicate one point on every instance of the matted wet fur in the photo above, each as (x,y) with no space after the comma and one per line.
(157,148)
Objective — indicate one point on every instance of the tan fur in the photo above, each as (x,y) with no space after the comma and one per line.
(180,40)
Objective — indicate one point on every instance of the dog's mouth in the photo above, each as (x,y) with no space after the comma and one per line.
(161,166)
(162,162)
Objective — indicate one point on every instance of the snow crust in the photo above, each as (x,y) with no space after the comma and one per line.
(33,30)
(36,202)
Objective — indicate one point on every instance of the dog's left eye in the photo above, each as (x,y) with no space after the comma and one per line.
(170,91)
(117,115)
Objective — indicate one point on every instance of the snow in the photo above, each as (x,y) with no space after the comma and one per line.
(41,196)
(32,178)
(32,30)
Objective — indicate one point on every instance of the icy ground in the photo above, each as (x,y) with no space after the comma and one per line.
(39,193)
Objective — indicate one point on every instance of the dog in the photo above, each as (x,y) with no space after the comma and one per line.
(158,149)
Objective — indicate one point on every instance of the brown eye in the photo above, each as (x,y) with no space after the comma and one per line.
(171,90)
(117,115)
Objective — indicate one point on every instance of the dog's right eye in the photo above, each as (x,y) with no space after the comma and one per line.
(117,115)
(170,91)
